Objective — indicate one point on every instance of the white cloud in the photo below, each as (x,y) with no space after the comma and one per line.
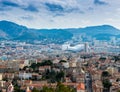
(76,13)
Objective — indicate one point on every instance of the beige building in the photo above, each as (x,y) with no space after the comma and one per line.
(1,76)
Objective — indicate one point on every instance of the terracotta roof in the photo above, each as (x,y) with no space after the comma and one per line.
(81,86)
(2,66)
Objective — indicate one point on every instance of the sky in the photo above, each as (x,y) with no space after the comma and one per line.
(61,13)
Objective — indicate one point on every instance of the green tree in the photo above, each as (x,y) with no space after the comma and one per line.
(46,62)
(118,91)
(60,76)
(118,79)
(53,76)
(105,74)
(107,84)
(62,61)
(47,89)
(59,88)
(102,58)
(17,89)
(62,88)
(35,90)
(116,58)
(33,66)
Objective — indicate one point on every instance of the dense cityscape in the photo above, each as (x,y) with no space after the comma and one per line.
(81,66)
(59,46)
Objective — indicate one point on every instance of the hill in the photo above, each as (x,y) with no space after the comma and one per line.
(102,32)
(13,31)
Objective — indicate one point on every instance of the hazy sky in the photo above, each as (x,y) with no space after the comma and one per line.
(61,13)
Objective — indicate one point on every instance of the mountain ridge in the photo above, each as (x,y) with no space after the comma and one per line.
(12,31)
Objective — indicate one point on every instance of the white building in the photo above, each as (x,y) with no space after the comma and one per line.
(25,75)
(78,47)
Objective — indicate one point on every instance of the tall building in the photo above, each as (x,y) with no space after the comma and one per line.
(86,48)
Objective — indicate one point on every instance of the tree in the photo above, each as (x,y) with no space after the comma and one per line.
(17,89)
(116,58)
(53,76)
(105,74)
(35,90)
(33,66)
(62,61)
(46,62)
(118,79)
(118,91)
(60,76)
(107,84)
(16,86)
(102,58)
(47,89)
(62,88)
(59,88)
(105,81)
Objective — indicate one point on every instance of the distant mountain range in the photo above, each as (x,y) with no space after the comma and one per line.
(102,32)
(13,31)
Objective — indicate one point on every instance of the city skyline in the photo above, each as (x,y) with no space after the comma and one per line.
(60,13)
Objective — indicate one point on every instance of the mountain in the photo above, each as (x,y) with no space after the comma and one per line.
(102,32)
(13,31)
(93,30)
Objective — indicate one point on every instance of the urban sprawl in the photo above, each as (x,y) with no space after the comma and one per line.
(74,66)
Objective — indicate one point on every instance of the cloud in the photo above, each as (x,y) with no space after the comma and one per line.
(9,4)
(59,13)
(31,8)
(99,2)
(4,9)
(6,3)
(54,7)
(27,18)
